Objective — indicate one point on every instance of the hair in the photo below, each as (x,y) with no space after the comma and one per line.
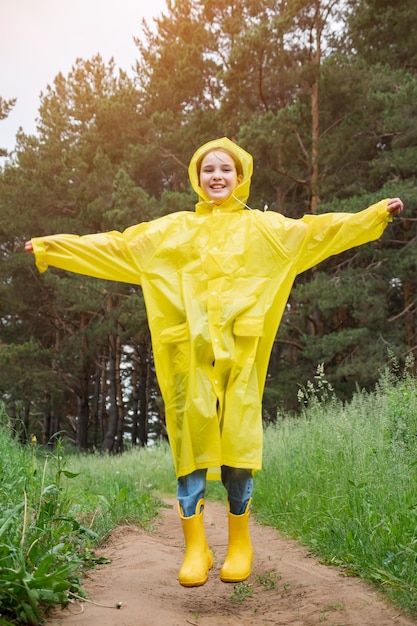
(236,161)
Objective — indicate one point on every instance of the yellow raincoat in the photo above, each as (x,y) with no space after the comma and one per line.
(215,283)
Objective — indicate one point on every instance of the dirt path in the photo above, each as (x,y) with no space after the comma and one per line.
(286,587)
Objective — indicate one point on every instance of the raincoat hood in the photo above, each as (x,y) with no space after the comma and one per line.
(241,193)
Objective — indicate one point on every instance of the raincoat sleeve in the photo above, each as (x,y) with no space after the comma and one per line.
(332,233)
(111,256)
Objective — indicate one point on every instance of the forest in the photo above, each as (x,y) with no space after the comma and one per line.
(322,93)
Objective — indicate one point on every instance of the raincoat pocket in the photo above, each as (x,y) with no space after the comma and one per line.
(174,334)
(247,330)
(248,326)
(176,340)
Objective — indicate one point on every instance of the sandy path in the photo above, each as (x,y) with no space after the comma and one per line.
(143,577)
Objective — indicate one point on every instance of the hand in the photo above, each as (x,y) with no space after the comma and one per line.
(395,206)
(28,247)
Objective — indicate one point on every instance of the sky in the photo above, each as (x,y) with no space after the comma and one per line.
(41,38)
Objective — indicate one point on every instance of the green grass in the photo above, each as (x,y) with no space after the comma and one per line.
(42,548)
(54,511)
(340,478)
(122,489)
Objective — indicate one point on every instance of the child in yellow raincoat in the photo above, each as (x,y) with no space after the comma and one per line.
(215,283)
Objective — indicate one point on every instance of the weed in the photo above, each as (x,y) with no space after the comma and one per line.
(268,580)
(319,393)
(335,606)
(242,591)
(41,553)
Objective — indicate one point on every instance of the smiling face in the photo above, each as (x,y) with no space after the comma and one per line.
(218,175)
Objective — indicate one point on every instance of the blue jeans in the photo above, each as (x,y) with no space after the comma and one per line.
(238,484)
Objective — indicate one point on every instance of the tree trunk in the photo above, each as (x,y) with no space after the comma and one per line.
(119,397)
(315,109)
(110,434)
(144,392)
(83,418)
(113,436)
(46,431)
(135,397)
(24,433)
(103,415)
(95,406)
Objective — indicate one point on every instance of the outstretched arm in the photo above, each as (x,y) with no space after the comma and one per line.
(108,256)
(331,233)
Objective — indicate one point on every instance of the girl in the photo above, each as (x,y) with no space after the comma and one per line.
(215,283)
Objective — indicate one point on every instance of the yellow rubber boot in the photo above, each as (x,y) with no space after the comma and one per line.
(238,564)
(198,559)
